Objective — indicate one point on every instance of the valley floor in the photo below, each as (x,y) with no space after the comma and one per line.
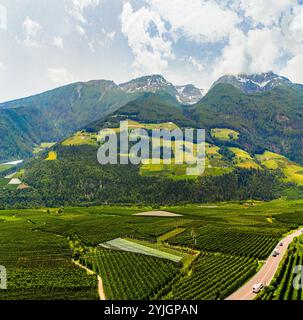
(267,272)
(196,252)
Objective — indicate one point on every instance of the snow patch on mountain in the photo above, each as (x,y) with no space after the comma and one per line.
(187,94)
(256,82)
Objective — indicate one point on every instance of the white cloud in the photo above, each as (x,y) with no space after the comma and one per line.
(146,33)
(187,40)
(296,24)
(58,42)
(276,31)
(266,12)
(294,69)
(33,35)
(2,66)
(110,35)
(32,30)
(197,64)
(198,20)
(106,37)
(60,76)
(81,30)
(85,27)
(256,52)
(78,7)
(103,38)
(292,29)
(201,21)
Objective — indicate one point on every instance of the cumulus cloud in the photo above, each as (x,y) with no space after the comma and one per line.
(277,47)
(266,12)
(58,42)
(60,76)
(198,20)
(294,69)
(249,36)
(292,29)
(185,40)
(32,30)
(153,29)
(146,33)
(254,52)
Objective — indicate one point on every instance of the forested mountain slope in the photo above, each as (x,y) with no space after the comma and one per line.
(269,120)
(55,114)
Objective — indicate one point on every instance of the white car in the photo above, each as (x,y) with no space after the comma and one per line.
(258,287)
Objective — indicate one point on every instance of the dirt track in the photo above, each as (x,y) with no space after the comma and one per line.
(100,283)
(266,273)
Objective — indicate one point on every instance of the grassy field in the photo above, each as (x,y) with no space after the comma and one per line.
(149,126)
(43,146)
(4,167)
(34,245)
(225,134)
(214,164)
(4,184)
(243,159)
(292,171)
(137,125)
(81,138)
(52,156)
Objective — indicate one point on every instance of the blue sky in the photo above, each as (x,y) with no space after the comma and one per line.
(48,43)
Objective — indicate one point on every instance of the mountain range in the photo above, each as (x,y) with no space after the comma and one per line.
(54,115)
(266,110)
(251,84)
(254,142)
(187,94)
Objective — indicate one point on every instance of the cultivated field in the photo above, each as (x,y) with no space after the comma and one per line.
(52,156)
(225,134)
(243,159)
(282,287)
(292,171)
(207,253)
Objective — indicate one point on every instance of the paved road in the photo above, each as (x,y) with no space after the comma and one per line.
(266,273)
